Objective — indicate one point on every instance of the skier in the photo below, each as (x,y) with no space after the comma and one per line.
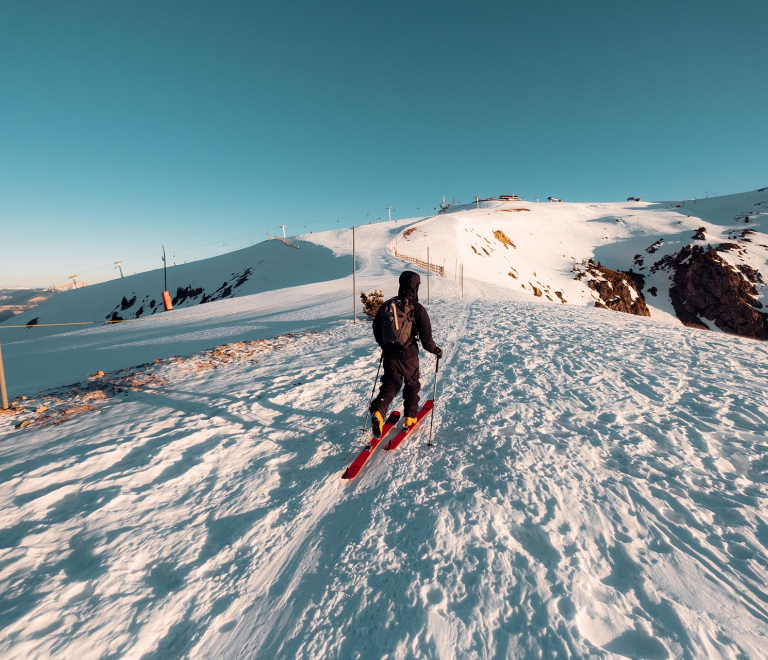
(398,324)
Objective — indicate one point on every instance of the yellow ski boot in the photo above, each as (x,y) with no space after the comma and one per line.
(409,423)
(377,423)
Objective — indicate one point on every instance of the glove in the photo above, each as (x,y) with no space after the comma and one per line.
(439,353)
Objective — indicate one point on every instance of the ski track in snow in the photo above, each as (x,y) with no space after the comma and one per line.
(597,490)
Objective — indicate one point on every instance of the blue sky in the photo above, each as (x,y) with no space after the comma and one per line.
(128,124)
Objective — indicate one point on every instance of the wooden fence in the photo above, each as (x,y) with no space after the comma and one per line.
(282,240)
(440,270)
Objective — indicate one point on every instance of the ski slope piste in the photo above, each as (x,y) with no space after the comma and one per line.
(597,488)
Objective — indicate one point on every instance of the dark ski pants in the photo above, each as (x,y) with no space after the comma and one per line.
(396,371)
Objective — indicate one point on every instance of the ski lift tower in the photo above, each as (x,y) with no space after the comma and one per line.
(283,228)
(444,206)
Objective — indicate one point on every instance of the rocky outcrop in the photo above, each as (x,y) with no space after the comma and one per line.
(705,286)
(617,290)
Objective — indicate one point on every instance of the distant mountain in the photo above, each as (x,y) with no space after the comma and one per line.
(14,301)
(700,262)
(268,265)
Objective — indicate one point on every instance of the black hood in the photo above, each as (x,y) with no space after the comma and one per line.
(409,285)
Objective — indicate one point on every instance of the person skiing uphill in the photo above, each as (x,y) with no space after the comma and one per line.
(398,325)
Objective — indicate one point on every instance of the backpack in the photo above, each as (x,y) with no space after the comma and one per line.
(397,321)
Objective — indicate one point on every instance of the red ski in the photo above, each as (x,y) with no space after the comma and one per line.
(394,442)
(362,458)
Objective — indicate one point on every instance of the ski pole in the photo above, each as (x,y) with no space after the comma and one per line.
(373,389)
(432,414)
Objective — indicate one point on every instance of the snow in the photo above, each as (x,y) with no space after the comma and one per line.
(598,487)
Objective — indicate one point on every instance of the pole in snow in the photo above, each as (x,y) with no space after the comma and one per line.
(3,391)
(389,208)
(477,199)
(167,304)
(428,269)
(283,228)
(373,389)
(354,282)
(165,272)
(432,413)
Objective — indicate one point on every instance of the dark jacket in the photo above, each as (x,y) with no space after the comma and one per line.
(422,328)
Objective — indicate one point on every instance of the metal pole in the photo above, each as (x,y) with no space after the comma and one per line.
(373,389)
(354,279)
(3,391)
(432,413)
(428,269)
(165,271)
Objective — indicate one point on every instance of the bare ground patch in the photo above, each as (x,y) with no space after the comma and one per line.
(59,405)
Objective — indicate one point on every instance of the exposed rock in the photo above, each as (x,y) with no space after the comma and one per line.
(243,277)
(752,274)
(699,234)
(706,286)
(727,247)
(655,246)
(186,292)
(621,292)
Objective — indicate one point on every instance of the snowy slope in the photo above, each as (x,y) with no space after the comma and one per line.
(39,358)
(550,240)
(263,267)
(534,248)
(598,489)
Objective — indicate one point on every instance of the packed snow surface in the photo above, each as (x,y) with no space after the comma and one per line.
(598,488)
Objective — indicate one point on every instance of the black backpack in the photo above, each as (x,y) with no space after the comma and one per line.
(397,321)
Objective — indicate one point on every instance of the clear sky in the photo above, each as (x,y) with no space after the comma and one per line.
(125,124)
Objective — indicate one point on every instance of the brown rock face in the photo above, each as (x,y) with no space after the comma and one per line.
(704,285)
(616,291)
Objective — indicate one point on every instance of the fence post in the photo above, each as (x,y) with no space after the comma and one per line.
(428,269)
(3,391)
(354,280)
